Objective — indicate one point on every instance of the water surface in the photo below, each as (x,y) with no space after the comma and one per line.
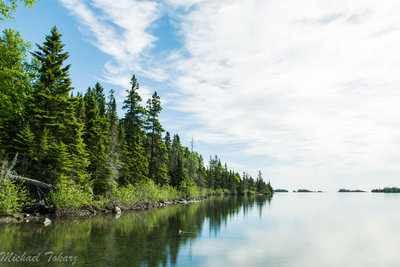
(292,229)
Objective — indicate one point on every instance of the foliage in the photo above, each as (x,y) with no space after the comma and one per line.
(8,7)
(135,167)
(15,87)
(12,196)
(96,128)
(144,192)
(156,149)
(71,197)
(54,118)
(191,192)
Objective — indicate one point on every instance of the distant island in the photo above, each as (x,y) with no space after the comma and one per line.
(281,191)
(306,191)
(351,191)
(386,190)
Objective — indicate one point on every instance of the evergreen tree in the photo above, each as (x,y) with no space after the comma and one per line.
(96,143)
(135,164)
(101,99)
(157,151)
(54,110)
(25,145)
(113,137)
(200,172)
(175,165)
(167,142)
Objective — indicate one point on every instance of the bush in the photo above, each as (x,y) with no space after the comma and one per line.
(144,192)
(168,192)
(124,196)
(12,196)
(71,197)
(191,192)
(147,191)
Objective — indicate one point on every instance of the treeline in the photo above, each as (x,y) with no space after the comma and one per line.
(387,190)
(79,140)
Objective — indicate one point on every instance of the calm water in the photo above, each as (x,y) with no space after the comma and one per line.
(303,229)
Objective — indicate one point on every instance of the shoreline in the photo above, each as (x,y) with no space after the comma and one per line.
(40,218)
(88,212)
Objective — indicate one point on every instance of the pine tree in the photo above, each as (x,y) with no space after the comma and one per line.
(113,137)
(101,99)
(54,110)
(157,151)
(96,143)
(175,165)
(25,146)
(168,142)
(135,163)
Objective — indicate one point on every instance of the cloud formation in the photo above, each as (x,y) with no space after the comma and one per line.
(120,30)
(312,84)
(308,82)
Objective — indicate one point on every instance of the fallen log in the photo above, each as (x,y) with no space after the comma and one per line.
(32,182)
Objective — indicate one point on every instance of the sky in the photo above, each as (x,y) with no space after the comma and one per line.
(306,91)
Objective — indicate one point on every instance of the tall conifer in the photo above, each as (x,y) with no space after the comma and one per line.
(157,151)
(135,163)
(54,109)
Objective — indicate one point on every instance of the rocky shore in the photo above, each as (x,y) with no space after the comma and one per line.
(39,213)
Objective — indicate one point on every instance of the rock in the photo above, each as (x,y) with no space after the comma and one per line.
(46,221)
(17,216)
(117,210)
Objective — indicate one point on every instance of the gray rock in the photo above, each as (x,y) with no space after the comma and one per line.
(117,210)
(46,221)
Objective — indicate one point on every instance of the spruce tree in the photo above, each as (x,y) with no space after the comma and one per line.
(157,151)
(96,143)
(175,165)
(168,142)
(113,137)
(54,109)
(135,163)
(25,145)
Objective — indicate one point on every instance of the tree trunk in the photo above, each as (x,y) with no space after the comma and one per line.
(32,182)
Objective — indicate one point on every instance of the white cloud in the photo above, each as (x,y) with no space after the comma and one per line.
(305,81)
(310,83)
(119,29)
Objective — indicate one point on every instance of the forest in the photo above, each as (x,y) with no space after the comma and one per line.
(77,142)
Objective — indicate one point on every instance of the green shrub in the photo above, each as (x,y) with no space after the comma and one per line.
(12,196)
(71,197)
(168,193)
(192,192)
(102,202)
(124,196)
(147,191)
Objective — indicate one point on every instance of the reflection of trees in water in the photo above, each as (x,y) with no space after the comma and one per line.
(147,238)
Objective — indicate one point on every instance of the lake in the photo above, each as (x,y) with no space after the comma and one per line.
(291,229)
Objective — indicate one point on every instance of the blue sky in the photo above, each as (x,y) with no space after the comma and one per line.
(305,91)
